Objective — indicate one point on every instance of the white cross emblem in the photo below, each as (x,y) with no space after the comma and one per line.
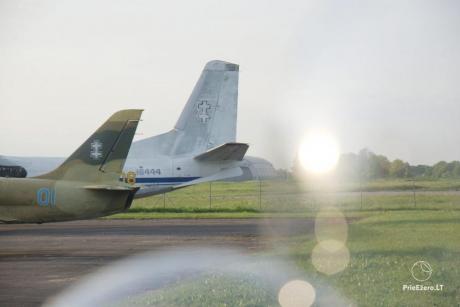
(96,150)
(202,109)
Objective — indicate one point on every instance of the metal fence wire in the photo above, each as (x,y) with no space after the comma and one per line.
(291,196)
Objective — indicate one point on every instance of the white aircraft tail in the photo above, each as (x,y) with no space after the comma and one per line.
(207,120)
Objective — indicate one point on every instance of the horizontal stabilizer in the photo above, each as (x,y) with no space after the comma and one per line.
(111,187)
(224,174)
(225,152)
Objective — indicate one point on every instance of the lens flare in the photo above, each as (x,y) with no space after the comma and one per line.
(331,224)
(197,276)
(319,152)
(297,293)
(330,257)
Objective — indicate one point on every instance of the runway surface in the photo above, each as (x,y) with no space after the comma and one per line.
(38,261)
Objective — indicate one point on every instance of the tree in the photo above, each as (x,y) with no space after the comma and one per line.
(367,165)
(384,165)
(348,166)
(399,169)
(440,169)
(420,170)
(456,169)
(373,166)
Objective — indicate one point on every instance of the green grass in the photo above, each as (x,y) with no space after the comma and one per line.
(225,214)
(386,185)
(288,198)
(206,215)
(394,229)
(383,246)
(399,185)
(211,289)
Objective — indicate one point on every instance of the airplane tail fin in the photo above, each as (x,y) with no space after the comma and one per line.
(208,118)
(102,156)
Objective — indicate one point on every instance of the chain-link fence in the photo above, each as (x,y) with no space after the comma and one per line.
(291,196)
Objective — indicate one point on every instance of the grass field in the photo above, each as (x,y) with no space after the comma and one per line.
(398,223)
(383,247)
(288,198)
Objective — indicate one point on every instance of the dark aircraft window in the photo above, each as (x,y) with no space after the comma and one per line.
(178,168)
(13,171)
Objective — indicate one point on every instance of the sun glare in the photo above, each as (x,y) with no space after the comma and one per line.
(319,152)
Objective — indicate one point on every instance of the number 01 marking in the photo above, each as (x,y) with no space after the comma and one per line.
(46,197)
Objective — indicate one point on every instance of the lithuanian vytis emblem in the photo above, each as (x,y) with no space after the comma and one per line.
(96,150)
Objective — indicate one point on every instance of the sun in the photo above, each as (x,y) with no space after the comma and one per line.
(319,152)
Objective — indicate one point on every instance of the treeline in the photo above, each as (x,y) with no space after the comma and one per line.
(368,165)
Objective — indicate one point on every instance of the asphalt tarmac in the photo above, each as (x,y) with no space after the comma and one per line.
(38,261)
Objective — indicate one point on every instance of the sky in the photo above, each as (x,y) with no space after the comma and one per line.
(382,75)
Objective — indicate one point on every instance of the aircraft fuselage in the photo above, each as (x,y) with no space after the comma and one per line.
(40,200)
(159,175)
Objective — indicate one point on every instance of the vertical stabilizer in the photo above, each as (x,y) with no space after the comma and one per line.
(102,156)
(207,120)
(209,117)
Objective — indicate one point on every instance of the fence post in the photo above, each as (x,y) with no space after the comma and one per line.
(210,194)
(164,200)
(260,194)
(413,190)
(361,192)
